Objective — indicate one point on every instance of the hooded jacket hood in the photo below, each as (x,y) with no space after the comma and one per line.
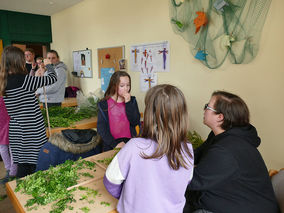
(247,133)
(60,65)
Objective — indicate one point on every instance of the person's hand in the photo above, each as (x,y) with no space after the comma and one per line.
(39,72)
(33,65)
(46,61)
(120,145)
(127,97)
(41,66)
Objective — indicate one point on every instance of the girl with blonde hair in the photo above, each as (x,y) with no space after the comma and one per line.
(151,173)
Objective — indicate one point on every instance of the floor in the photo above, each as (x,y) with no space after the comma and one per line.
(6,205)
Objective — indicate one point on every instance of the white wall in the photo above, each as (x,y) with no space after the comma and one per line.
(105,23)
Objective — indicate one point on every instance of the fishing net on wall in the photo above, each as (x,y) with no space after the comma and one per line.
(216,29)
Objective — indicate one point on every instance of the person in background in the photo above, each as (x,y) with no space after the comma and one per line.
(41,68)
(150,174)
(31,65)
(230,174)
(26,128)
(5,151)
(55,92)
(118,113)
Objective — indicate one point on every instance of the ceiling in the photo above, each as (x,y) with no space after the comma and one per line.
(41,7)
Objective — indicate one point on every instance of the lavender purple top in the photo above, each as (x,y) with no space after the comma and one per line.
(4,123)
(118,122)
(147,185)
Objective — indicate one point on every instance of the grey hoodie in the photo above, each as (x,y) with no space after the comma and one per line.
(55,92)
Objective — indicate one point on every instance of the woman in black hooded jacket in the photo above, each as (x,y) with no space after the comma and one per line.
(230,175)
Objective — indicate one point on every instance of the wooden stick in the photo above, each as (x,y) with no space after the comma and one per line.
(84,182)
(46,108)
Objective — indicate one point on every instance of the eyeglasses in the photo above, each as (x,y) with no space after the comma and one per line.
(210,108)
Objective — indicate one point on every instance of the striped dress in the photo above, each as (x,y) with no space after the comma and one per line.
(26,130)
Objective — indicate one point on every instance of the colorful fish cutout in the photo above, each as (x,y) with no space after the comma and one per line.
(201,55)
(178,23)
(200,20)
(226,40)
(219,4)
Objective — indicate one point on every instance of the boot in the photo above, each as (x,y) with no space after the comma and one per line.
(6,178)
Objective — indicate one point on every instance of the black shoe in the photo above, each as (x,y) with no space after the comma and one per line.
(5,179)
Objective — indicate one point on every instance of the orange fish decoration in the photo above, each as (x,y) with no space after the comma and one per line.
(200,20)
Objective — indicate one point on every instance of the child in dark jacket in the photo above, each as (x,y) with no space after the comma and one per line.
(118,113)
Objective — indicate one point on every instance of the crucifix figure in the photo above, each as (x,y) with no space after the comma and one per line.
(164,51)
(135,51)
(149,80)
(145,53)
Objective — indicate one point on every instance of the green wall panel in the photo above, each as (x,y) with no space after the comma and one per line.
(24,27)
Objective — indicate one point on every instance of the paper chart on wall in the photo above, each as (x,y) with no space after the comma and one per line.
(147,81)
(148,58)
(106,74)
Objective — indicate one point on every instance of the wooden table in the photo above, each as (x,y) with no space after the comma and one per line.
(68,102)
(83,124)
(19,200)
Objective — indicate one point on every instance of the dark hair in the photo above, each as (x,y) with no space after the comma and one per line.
(12,62)
(30,50)
(233,108)
(114,83)
(166,122)
(54,52)
(39,58)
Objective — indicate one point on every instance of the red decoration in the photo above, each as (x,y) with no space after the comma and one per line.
(200,20)
(107,56)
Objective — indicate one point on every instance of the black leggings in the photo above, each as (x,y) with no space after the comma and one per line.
(25,169)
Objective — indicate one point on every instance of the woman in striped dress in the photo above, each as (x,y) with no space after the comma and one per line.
(26,130)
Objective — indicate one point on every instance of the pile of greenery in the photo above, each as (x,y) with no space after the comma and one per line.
(194,138)
(51,185)
(67,116)
(107,161)
(90,105)
(64,116)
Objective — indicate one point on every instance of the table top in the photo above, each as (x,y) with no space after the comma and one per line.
(19,200)
(88,123)
(68,102)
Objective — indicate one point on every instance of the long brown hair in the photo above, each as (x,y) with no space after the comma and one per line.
(166,122)
(12,62)
(114,83)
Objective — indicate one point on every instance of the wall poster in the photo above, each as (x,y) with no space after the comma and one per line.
(82,63)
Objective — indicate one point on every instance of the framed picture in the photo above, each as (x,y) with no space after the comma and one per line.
(122,64)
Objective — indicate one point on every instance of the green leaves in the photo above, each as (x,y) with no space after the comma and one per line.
(194,138)
(107,161)
(51,185)
(64,116)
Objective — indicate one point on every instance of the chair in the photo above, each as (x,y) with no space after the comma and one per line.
(277,179)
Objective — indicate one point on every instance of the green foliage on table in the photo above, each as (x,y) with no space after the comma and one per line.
(105,203)
(89,106)
(85,209)
(194,138)
(51,185)
(64,116)
(107,161)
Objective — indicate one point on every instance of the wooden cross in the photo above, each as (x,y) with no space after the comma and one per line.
(145,53)
(164,51)
(150,80)
(135,51)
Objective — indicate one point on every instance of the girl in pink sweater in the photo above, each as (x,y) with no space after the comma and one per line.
(5,152)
